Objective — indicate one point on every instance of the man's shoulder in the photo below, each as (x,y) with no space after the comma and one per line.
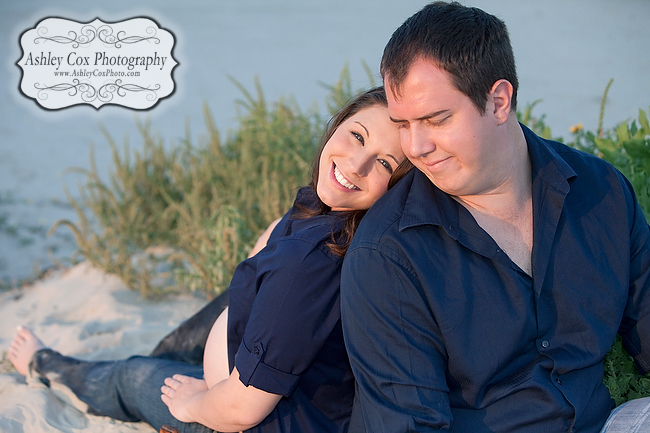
(591,171)
(577,166)
(577,159)
(587,178)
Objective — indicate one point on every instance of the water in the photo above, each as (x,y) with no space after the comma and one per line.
(566,53)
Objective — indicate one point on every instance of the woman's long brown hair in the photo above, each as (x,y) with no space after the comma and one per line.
(341,239)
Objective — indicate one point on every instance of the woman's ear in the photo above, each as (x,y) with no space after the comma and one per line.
(501,97)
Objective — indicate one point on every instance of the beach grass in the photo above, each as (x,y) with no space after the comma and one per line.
(181,216)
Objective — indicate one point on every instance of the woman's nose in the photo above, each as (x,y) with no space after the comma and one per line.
(361,164)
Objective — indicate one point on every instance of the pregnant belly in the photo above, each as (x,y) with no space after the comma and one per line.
(215,357)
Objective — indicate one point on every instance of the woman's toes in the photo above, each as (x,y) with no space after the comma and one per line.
(23,347)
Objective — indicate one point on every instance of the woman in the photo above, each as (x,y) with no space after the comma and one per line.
(275,360)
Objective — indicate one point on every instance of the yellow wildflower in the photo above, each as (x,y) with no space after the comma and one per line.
(576,128)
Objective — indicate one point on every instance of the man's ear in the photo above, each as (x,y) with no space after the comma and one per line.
(501,97)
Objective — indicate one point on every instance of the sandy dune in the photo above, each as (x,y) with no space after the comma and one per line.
(85,313)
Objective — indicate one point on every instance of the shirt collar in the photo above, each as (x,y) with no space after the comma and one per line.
(547,163)
(427,205)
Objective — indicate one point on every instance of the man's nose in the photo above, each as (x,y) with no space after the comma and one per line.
(415,142)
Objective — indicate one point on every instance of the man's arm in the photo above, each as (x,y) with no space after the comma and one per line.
(635,328)
(229,406)
(395,348)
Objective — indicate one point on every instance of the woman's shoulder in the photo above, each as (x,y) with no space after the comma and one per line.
(306,197)
(303,229)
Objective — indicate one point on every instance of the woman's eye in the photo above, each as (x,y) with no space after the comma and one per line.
(386,165)
(358,137)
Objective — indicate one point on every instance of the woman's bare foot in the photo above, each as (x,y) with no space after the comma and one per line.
(25,344)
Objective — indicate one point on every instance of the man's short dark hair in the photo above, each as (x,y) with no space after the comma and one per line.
(468,43)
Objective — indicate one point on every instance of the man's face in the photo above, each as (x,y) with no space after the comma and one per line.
(443,133)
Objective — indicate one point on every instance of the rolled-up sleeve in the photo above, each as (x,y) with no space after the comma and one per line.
(395,348)
(294,312)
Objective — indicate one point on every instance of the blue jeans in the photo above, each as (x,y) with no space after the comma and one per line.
(630,417)
(127,390)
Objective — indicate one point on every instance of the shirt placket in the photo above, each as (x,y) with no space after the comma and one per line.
(546,218)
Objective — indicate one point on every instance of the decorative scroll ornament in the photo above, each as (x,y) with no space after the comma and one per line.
(128,63)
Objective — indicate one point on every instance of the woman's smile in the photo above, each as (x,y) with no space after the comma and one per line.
(343,181)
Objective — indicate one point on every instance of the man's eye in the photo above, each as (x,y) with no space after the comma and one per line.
(437,122)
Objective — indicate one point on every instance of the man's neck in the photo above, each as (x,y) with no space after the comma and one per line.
(506,211)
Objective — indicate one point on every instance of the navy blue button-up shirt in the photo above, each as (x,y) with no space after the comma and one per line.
(284,325)
(444,331)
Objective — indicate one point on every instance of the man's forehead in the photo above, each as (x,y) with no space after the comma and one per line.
(394,85)
(422,72)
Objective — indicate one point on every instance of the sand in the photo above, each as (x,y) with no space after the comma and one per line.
(85,313)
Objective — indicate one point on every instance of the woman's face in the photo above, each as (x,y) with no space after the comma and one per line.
(358,160)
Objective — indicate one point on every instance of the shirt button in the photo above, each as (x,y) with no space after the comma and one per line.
(559,382)
(545,344)
(256,351)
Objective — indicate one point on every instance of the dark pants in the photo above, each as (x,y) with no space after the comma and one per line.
(129,390)
(187,342)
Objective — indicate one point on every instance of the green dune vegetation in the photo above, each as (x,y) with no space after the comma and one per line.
(180,216)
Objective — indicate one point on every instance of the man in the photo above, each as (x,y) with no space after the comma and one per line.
(483,291)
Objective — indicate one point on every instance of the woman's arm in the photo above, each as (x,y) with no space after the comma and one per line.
(239,407)
(263,239)
(229,406)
